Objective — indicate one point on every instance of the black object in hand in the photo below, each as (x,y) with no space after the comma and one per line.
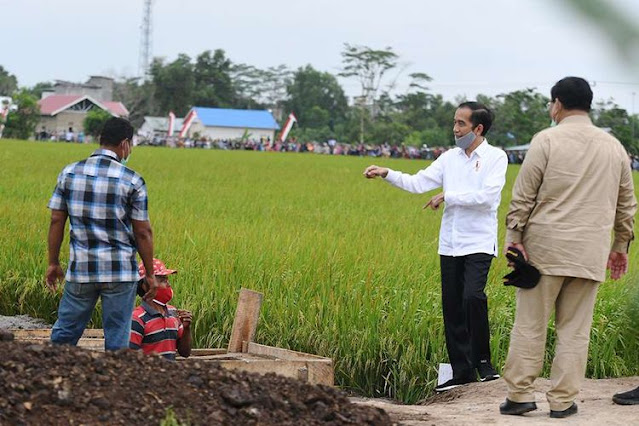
(524,275)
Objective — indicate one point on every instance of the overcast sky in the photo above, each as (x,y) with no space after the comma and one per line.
(466,46)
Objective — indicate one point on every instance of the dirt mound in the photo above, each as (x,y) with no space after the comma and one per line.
(51,385)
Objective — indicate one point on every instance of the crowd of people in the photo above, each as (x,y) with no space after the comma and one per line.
(332,147)
(62,136)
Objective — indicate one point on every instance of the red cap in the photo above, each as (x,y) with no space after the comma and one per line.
(159,268)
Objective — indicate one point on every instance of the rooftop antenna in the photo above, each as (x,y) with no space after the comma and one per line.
(145,42)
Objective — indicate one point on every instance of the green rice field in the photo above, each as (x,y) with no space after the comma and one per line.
(348,266)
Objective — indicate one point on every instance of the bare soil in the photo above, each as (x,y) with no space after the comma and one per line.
(478,403)
(42,384)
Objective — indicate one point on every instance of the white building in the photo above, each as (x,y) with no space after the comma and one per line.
(230,124)
(58,113)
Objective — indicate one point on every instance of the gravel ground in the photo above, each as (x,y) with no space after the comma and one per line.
(22,321)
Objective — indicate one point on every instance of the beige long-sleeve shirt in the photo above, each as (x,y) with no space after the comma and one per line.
(574,188)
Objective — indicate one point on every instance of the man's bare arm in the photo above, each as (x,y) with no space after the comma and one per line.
(56,236)
(144,242)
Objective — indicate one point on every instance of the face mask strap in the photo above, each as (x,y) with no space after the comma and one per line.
(125,160)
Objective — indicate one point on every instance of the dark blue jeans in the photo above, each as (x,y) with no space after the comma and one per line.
(76,307)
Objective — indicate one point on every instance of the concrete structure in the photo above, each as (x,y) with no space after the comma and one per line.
(59,112)
(231,124)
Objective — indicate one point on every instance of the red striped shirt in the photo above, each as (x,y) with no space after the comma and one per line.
(155,332)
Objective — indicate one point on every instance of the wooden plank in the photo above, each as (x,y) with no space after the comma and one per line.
(93,332)
(318,370)
(263,366)
(204,352)
(94,344)
(207,358)
(302,374)
(321,372)
(45,333)
(256,348)
(247,315)
(92,339)
(38,333)
(312,372)
(230,356)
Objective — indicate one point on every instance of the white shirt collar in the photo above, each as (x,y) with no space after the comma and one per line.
(480,150)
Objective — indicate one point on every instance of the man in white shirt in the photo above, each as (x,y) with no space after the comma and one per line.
(472,177)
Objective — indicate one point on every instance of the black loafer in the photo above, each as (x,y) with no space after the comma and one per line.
(512,408)
(623,398)
(565,413)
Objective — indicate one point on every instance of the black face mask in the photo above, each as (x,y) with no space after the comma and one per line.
(524,275)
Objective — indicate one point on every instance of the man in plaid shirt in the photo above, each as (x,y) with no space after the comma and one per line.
(106,204)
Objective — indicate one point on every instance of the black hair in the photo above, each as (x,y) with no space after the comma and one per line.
(480,115)
(573,93)
(115,130)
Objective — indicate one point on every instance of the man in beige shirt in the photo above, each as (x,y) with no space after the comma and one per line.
(574,188)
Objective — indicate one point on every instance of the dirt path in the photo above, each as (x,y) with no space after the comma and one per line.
(478,403)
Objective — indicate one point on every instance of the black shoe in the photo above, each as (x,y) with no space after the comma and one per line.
(627,398)
(453,383)
(487,372)
(565,413)
(511,408)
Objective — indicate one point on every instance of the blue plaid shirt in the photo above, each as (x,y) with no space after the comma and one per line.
(101,197)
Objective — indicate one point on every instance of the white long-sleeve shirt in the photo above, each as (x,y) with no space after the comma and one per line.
(472,193)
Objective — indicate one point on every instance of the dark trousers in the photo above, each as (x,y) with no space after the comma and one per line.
(465,308)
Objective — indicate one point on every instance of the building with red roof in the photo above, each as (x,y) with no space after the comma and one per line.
(66,104)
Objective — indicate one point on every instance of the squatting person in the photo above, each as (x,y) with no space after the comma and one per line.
(157,327)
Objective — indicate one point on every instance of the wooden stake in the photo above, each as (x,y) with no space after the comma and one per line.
(246,318)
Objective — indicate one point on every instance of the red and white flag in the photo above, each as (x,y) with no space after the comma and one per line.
(171,124)
(287,127)
(188,120)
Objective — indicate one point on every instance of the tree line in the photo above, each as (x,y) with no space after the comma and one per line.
(380,113)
